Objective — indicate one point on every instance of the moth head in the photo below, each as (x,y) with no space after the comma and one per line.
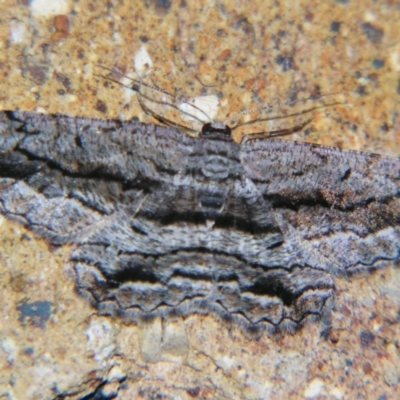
(212,128)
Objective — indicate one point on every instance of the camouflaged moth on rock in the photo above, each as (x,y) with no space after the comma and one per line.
(163,223)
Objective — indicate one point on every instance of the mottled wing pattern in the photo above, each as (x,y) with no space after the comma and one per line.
(64,177)
(163,223)
(343,206)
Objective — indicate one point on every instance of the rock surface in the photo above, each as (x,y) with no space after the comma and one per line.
(53,345)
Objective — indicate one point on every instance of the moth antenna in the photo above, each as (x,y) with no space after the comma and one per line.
(277,133)
(189,131)
(269,107)
(177,99)
(173,104)
(107,78)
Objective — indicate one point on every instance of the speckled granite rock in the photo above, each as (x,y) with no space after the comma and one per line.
(53,345)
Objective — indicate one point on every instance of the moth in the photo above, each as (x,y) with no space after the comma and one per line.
(164,223)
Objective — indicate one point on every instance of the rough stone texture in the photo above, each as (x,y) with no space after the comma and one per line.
(248,55)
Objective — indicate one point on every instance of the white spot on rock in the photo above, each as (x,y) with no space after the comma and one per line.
(49,8)
(10,348)
(17,31)
(395,57)
(225,362)
(116,374)
(203,108)
(369,16)
(142,62)
(100,336)
(337,393)
(314,388)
